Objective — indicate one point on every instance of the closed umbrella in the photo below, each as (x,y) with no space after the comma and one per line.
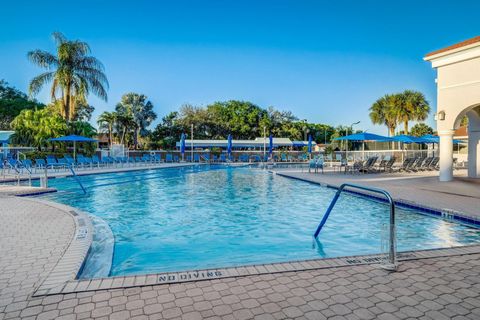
(270,145)
(182,146)
(309,147)
(229,146)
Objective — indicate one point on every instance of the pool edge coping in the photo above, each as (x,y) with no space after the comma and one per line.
(73,257)
(167,278)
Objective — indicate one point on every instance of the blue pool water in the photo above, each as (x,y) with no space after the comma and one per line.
(217,216)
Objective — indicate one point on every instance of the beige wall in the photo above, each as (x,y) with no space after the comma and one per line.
(458,84)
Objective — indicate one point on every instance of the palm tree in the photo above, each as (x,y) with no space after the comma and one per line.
(138,111)
(106,121)
(74,74)
(412,107)
(384,111)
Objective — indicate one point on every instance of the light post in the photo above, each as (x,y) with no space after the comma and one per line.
(346,141)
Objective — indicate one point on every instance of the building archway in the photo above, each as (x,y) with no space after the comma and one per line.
(458,95)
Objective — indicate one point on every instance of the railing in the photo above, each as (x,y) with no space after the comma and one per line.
(392,259)
(77,179)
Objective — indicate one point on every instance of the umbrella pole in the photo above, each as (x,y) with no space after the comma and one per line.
(74,153)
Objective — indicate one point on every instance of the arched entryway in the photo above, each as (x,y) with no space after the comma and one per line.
(458,95)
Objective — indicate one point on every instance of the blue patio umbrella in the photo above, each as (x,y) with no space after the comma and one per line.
(407,139)
(73,138)
(364,136)
(182,145)
(309,147)
(229,145)
(429,138)
(270,145)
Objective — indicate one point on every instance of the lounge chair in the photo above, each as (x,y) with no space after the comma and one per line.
(362,166)
(28,165)
(168,157)
(53,163)
(40,163)
(243,158)
(96,161)
(405,165)
(433,165)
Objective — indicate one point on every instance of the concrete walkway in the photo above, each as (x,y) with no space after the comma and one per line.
(34,236)
(423,188)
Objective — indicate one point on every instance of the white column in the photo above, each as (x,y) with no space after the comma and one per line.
(446,154)
(474,153)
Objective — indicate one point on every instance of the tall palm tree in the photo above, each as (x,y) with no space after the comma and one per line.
(106,121)
(73,74)
(413,106)
(135,107)
(384,111)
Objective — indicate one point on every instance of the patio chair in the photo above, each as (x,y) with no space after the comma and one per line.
(283,157)
(355,167)
(433,165)
(70,161)
(222,158)
(418,164)
(63,162)
(426,163)
(157,158)
(176,158)
(53,163)
(168,157)
(389,165)
(406,163)
(96,161)
(363,166)
(14,165)
(40,163)
(81,160)
(85,161)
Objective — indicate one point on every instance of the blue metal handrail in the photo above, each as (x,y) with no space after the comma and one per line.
(76,178)
(392,247)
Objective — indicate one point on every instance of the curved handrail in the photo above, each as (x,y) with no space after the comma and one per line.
(392,247)
(77,179)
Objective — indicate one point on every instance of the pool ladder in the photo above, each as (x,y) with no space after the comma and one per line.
(392,256)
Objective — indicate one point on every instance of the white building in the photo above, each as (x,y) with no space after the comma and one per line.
(458,95)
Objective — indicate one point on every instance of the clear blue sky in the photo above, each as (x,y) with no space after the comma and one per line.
(326,61)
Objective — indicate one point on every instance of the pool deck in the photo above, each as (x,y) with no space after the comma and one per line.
(42,244)
(423,188)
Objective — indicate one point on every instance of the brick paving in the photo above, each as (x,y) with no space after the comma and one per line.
(34,236)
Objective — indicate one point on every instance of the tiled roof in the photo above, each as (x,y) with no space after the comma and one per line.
(455,46)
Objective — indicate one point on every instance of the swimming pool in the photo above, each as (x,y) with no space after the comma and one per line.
(218,216)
